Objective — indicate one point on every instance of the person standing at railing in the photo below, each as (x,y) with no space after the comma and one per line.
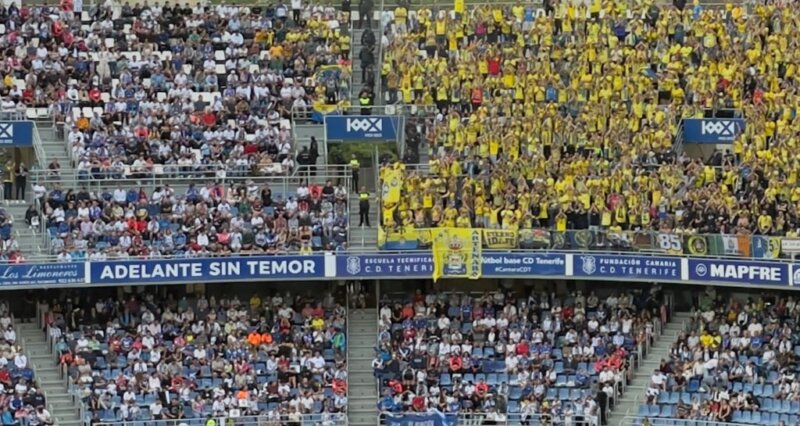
(365,99)
(363,207)
(355,166)
(8,180)
(21,179)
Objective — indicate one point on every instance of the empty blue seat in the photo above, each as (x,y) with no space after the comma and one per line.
(674,398)
(445,380)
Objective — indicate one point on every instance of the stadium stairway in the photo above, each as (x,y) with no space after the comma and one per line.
(362,394)
(62,405)
(358,83)
(637,388)
(55,148)
(363,237)
(31,241)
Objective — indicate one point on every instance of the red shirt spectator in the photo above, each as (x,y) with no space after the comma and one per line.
(481,388)
(209,119)
(94,94)
(418,403)
(27,95)
(141,132)
(494,66)
(456,363)
(523,348)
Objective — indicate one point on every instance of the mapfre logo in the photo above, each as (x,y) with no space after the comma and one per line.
(366,125)
(718,128)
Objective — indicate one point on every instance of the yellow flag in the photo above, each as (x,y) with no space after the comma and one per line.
(392,181)
(456,253)
(381,237)
(458,6)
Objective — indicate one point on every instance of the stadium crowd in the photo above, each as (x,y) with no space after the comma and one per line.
(143,87)
(205,220)
(280,357)
(21,401)
(567,120)
(736,362)
(9,247)
(532,358)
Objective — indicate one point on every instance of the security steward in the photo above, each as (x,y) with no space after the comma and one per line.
(363,207)
(355,166)
(365,100)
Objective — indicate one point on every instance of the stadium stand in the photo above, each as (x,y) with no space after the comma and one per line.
(736,362)
(568,121)
(507,358)
(207,220)
(281,357)
(22,402)
(187,88)
(152,91)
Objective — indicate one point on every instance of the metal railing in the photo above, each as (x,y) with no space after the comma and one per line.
(366,250)
(42,228)
(677,142)
(412,110)
(178,176)
(324,419)
(493,418)
(665,421)
(38,148)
